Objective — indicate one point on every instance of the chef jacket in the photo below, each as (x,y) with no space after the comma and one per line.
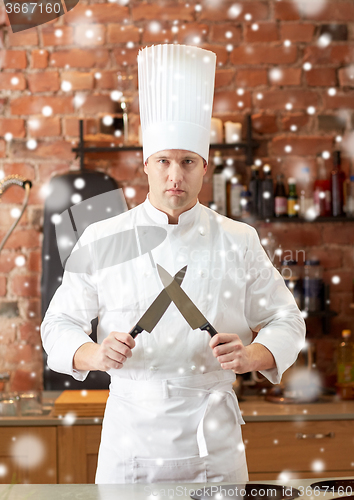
(171,414)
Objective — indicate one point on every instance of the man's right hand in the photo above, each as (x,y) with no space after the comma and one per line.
(112,353)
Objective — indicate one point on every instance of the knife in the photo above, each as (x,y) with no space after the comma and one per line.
(186,307)
(154,313)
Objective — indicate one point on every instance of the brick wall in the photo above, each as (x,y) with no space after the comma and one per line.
(288,63)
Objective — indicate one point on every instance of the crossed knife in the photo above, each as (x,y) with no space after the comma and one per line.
(172,292)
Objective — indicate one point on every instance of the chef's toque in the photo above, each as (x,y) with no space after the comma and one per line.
(176,88)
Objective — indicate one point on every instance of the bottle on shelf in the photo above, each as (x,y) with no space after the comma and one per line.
(322,191)
(337,185)
(312,285)
(280,197)
(291,274)
(254,188)
(306,195)
(345,359)
(234,189)
(267,194)
(293,207)
(245,203)
(219,184)
(350,197)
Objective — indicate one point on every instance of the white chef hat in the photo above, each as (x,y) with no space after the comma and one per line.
(176,88)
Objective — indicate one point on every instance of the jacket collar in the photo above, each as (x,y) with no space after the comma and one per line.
(159,217)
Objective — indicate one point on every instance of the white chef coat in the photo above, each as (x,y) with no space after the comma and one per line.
(171,414)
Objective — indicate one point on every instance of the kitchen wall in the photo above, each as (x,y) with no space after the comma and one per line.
(288,63)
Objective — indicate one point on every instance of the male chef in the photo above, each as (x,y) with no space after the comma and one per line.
(172,414)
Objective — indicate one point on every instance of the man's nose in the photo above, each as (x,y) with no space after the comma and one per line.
(175,172)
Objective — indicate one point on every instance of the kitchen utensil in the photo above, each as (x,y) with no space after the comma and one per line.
(186,307)
(31,403)
(4,185)
(154,313)
(345,486)
(63,193)
(91,403)
(9,404)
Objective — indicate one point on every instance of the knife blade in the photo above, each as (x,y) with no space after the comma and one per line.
(154,313)
(185,305)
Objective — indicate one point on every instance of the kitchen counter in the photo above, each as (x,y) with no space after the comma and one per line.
(256,409)
(138,491)
(253,408)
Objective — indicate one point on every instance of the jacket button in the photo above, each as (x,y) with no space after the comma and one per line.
(202,231)
(193,367)
(153,368)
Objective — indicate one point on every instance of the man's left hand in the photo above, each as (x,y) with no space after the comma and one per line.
(229,350)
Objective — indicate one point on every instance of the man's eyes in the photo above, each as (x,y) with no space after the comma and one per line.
(165,162)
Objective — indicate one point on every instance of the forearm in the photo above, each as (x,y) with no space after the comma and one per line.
(260,357)
(85,357)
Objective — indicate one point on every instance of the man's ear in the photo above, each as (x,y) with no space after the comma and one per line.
(145,166)
(205,165)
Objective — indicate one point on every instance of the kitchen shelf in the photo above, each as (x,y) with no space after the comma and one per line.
(299,220)
(81,149)
(321,314)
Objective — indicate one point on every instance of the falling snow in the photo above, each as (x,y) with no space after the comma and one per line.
(66,86)
(31,144)
(28,451)
(20,261)
(47,111)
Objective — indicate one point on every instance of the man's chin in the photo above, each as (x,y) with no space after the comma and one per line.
(175,200)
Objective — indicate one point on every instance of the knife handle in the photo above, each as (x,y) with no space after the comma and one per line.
(210,329)
(135,331)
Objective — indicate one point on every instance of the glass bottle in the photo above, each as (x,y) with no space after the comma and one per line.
(254,188)
(245,203)
(322,190)
(337,186)
(267,194)
(345,359)
(293,206)
(234,189)
(291,274)
(280,197)
(306,194)
(219,184)
(313,285)
(350,197)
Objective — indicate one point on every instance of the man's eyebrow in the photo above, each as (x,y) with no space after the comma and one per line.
(187,157)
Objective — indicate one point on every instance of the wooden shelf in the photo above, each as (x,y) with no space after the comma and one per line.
(81,149)
(299,220)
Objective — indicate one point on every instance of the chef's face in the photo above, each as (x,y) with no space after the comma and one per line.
(175,179)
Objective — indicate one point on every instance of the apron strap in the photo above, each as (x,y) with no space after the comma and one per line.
(214,398)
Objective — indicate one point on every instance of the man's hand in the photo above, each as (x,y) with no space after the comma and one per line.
(233,355)
(112,353)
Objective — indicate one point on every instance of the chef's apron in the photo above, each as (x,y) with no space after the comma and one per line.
(184,429)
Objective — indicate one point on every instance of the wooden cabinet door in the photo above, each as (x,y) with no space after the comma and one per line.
(77,453)
(28,455)
(299,448)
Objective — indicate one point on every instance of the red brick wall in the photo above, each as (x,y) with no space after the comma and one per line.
(261,46)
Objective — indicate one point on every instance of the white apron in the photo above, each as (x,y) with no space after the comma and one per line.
(184,429)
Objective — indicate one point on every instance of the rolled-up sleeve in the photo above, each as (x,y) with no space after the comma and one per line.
(271,310)
(67,322)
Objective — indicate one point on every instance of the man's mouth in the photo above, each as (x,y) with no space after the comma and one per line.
(175,191)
